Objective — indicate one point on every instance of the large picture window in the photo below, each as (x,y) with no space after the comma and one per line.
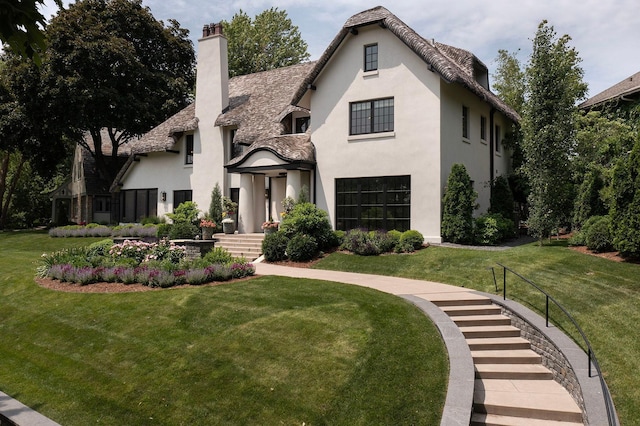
(373,116)
(138,203)
(374,203)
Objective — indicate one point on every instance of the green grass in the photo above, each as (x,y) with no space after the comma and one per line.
(602,295)
(269,350)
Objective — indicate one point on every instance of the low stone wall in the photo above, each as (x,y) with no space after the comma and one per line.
(195,248)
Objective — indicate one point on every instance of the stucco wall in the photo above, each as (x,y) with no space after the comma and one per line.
(412,148)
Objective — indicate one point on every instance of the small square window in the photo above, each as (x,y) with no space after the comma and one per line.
(371,57)
(188,159)
(465,122)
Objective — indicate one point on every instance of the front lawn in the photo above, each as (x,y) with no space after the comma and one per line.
(602,295)
(268,350)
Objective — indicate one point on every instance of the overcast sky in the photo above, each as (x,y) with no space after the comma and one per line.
(606,33)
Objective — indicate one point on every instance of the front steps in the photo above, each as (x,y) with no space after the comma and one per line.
(241,245)
(512,387)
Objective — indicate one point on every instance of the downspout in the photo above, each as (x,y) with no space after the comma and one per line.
(491,147)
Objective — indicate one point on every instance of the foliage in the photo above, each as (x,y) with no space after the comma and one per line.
(111,65)
(458,203)
(308,219)
(229,207)
(302,247)
(274,246)
(625,207)
(186,212)
(598,234)
(215,207)
(183,230)
(268,41)
(218,255)
(373,243)
(554,85)
(588,201)
(360,241)
(152,220)
(493,228)
(97,230)
(413,238)
(164,230)
(509,80)
(501,200)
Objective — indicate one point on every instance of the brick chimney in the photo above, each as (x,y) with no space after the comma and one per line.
(212,78)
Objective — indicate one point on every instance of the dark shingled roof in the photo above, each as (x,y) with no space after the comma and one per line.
(290,148)
(452,64)
(259,101)
(162,137)
(627,87)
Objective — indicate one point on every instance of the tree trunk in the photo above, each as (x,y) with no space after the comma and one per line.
(4,170)
(12,186)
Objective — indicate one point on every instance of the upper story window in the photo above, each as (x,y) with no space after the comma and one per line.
(498,138)
(302,124)
(373,116)
(483,128)
(371,57)
(188,156)
(465,122)
(236,148)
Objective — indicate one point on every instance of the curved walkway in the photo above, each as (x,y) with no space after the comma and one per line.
(460,394)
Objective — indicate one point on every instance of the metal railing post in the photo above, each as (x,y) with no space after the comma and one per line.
(504,283)
(547,312)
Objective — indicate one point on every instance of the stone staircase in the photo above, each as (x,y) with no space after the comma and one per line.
(512,387)
(241,245)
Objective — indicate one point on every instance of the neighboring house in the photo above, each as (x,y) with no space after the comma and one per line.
(625,93)
(88,193)
(371,129)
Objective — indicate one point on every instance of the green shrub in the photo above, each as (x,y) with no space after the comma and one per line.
(501,201)
(404,247)
(491,229)
(625,220)
(163,230)
(100,248)
(306,218)
(302,247)
(151,220)
(395,236)
(338,237)
(183,230)
(185,212)
(577,239)
(457,206)
(413,237)
(588,201)
(598,235)
(274,246)
(218,255)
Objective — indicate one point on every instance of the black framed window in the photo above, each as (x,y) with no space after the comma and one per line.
(188,156)
(302,124)
(373,203)
(483,128)
(138,203)
(374,116)
(181,196)
(371,57)
(102,204)
(498,136)
(465,122)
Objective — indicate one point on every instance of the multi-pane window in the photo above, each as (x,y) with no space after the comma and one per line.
(483,128)
(188,156)
(138,203)
(465,122)
(181,196)
(371,57)
(373,116)
(373,203)
(498,138)
(102,204)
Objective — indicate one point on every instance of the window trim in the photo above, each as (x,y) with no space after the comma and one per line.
(372,117)
(368,63)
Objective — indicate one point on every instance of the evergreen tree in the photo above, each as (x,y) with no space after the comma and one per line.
(215,207)
(554,86)
(458,204)
(625,208)
(501,198)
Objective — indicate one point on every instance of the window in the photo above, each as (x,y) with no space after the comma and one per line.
(498,138)
(373,203)
(302,124)
(483,128)
(102,204)
(371,57)
(374,116)
(138,203)
(188,158)
(236,148)
(465,122)
(180,197)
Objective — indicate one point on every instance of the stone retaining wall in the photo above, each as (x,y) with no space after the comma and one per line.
(195,248)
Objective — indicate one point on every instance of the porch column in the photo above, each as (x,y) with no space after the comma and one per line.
(245,205)
(294,183)
(259,202)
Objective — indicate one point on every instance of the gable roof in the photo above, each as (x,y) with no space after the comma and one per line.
(627,87)
(454,65)
(163,136)
(293,149)
(259,101)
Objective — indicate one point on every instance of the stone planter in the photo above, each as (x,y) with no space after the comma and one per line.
(207,233)
(228,227)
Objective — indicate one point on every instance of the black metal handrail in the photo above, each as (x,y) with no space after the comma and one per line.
(591,356)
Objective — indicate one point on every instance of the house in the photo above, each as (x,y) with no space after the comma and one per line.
(371,130)
(624,93)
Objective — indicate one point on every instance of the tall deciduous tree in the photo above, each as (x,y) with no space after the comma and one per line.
(112,65)
(267,42)
(509,80)
(554,86)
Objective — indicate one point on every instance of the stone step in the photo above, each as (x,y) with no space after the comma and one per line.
(545,400)
(483,419)
(239,244)
(488,344)
(471,310)
(477,320)
(475,332)
(457,299)
(513,371)
(516,356)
